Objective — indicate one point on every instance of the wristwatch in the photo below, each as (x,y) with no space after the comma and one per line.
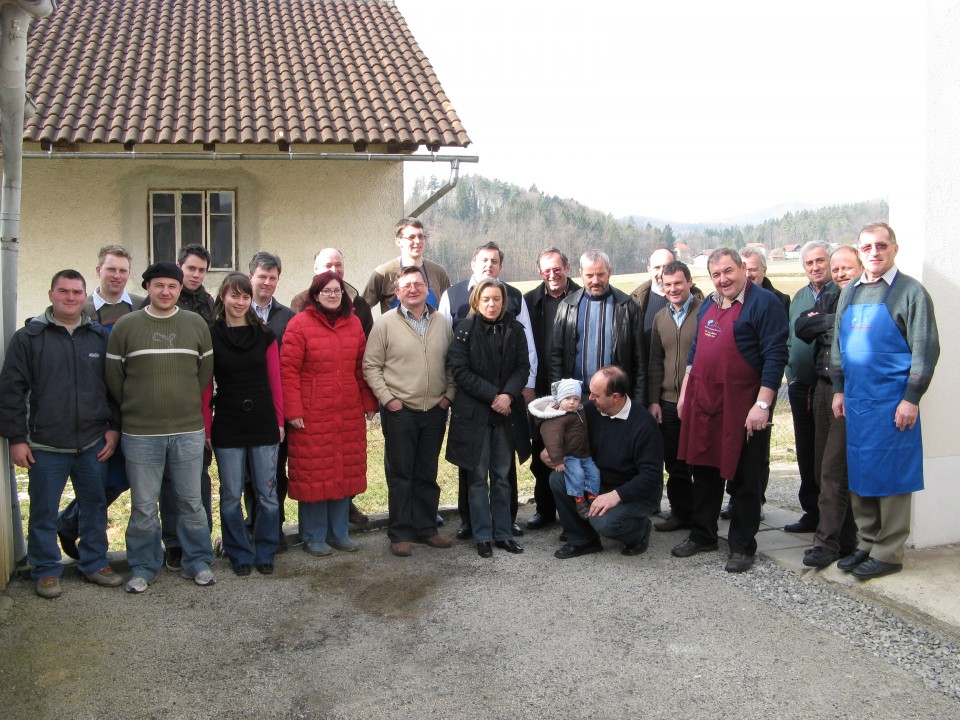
(762,405)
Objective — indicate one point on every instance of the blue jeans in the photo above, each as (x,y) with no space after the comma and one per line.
(581,476)
(180,457)
(68,521)
(325,520)
(168,503)
(490,511)
(627,522)
(237,543)
(48,477)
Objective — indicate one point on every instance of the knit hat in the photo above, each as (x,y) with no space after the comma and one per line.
(565,388)
(164,269)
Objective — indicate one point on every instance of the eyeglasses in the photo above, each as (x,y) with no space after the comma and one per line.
(411,286)
(880,247)
(418,236)
(552,271)
(332,293)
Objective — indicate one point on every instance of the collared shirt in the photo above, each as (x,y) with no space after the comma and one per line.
(888,276)
(419,324)
(718,298)
(622,415)
(680,315)
(99,302)
(263,312)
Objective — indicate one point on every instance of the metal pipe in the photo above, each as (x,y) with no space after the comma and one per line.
(134,155)
(450,185)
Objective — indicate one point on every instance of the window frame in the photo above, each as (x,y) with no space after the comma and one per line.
(206,215)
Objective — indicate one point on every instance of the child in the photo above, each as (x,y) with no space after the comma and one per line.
(563,428)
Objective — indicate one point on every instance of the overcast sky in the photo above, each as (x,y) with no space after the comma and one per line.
(686,110)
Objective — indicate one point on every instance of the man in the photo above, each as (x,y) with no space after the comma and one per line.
(625,445)
(58,417)
(885,349)
(733,373)
(159,360)
(599,325)
(410,237)
(756,264)
(836,534)
(542,303)
(108,303)
(802,380)
(405,365)
(487,262)
(194,261)
(649,294)
(672,335)
(331,259)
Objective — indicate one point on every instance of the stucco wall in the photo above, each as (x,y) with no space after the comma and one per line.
(73,207)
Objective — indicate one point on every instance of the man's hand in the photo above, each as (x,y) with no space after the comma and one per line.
(529,395)
(501,403)
(111,438)
(604,502)
(657,412)
(906,415)
(757,420)
(839,406)
(21,456)
(443,404)
(395,405)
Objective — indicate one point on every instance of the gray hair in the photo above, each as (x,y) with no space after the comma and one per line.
(745,254)
(809,247)
(591,257)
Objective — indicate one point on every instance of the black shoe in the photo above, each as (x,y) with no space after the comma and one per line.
(173,559)
(849,562)
(572,551)
(873,568)
(820,557)
(538,521)
(738,563)
(671,524)
(465,531)
(242,569)
(803,525)
(689,548)
(563,537)
(511,546)
(69,546)
(265,568)
(516,530)
(485,549)
(639,547)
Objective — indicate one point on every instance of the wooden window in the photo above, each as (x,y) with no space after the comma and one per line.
(194,217)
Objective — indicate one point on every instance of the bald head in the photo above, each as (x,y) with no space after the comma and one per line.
(328,259)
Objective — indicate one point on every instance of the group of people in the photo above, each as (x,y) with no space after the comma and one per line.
(603,390)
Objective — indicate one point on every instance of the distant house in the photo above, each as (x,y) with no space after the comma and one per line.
(700,261)
(230,123)
(683,252)
(792,252)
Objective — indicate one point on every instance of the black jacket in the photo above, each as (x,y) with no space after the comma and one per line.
(52,387)
(818,328)
(534,300)
(629,353)
(471,360)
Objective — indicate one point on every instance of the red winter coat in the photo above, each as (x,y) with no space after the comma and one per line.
(320,369)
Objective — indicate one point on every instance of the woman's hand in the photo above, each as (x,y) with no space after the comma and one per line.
(283,433)
(370,414)
(296,423)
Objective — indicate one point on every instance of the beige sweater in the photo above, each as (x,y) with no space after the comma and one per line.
(398,364)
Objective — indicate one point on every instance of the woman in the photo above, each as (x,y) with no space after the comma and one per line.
(247,423)
(325,399)
(488,420)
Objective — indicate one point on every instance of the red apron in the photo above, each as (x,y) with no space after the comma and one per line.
(721,389)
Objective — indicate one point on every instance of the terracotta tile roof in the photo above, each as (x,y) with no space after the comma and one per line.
(234,71)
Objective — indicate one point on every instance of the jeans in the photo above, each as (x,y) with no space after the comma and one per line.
(68,521)
(168,502)
(324,521)
(627,522)
(48,477)
(490,511)
(149,459)
(412,442)
(237,543)
(581,476)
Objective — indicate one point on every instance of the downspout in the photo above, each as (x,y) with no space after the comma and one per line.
(450,185)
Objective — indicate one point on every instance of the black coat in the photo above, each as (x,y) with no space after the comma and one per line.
(534,300)
(470,359)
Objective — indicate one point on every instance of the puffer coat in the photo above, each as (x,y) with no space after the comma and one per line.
(320,369)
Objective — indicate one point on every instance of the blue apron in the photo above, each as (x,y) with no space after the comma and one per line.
(875,359)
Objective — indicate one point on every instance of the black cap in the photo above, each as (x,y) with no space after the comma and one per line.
(165,269)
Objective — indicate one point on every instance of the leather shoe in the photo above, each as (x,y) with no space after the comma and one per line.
(849,562)
(873,568)
(511,546)
(670,524)
(689,548)
(356,516)
(803,525)
(516,530)
(571,551)
(439,541)
(401,549)
(738,563)
(819,557)
(538,521)
(465,531)
(639,547)
(485,549)
(69,546)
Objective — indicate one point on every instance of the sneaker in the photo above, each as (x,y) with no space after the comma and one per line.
(345,545)
(105,576)
(583,508)
(320,549)
(205,577)
(48,587)
(137,584)
(173,559)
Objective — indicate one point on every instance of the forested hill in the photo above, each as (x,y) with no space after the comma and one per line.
(523,222)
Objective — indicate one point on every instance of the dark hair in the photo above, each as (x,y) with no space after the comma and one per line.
(265,260)
(405,223)
(199,250)
(617,380)
(871,227)
(241,283)
(67,275)
(118,250)
(319,283)
(733,255)
(478,290)
(410,270)
(552,251)
(672,268)
(487,246)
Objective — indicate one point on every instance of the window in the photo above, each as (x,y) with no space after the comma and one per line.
(193,217)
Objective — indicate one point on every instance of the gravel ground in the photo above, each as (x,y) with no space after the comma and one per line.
(446,634)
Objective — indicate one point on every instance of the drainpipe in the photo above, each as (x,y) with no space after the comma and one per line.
(450,185)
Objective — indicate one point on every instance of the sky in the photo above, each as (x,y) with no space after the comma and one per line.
(683,110)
